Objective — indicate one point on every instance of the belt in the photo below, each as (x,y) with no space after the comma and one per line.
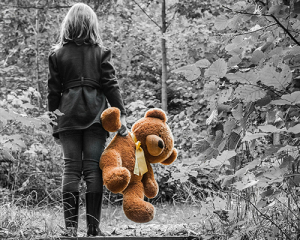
(80,82)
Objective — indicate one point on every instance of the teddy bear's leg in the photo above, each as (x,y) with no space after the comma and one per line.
(149,182)
(115,177)
(134,206)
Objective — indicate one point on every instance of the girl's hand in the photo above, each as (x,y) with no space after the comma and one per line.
(123,131)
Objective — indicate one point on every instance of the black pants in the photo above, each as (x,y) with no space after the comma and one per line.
(82,151)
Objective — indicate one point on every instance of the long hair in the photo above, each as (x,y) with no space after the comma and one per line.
(80,22)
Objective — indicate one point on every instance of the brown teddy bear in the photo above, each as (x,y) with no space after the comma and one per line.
(125,162)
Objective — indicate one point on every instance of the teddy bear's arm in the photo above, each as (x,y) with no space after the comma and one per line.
(115,177)
(170,159)
(149,182)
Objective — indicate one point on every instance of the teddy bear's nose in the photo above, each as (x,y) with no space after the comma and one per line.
(155,145)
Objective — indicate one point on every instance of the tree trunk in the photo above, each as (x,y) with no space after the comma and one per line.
(164,59)
(38,83)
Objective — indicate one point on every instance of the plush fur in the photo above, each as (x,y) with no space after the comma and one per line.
(118,160)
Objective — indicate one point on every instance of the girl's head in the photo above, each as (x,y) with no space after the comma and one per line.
(80,22)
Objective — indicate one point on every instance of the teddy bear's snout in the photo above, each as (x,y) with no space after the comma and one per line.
(155,145)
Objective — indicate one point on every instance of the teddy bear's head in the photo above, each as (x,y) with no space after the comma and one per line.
(156,137)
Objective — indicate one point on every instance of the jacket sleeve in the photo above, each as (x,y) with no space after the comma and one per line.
(54,85)
(109,82)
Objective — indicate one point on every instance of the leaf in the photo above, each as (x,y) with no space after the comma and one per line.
(270,77)
(210,153)
(247,168)
(213,118)
(257,56)
(4,116)
(286,74)
(237,112)
(292,99)
(250,184)
(297,7)
(201,145)
(234,60)
(263,102)
(193,173)
(191,72)
(218,69)
(249,93)
(225,155)
(251,136)
(222,159)
(6,155)
(296,25)
(209,89)
(218,139)
(280,102)
(270,128)
(247,77)
(225,95)
(203,63)
(276,51)
(221,22)
(275,9)
(229,126)
(227,181)
(294,129)
(288,148)
(286,162)
(233,140)
(234,22)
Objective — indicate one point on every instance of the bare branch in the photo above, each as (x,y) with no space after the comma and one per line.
(269,15)
(171,20)
(34,7)
(147,15)
(263,28)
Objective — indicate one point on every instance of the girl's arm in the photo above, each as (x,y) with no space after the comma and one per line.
(109,82)
(54,85)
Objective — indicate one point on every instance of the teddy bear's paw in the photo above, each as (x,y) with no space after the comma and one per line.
(117,179)
(139,211)
(110,119)
(150,188)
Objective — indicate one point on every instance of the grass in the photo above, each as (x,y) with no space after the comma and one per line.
(22,222)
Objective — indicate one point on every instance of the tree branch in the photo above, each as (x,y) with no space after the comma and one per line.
(269,15)
(147,15)
(171,20)
(34,7)
(262,214)
(255,30)
(285,29)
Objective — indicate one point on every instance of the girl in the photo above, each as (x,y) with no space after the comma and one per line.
(81,80)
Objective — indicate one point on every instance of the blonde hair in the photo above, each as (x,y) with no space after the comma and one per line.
(80,22)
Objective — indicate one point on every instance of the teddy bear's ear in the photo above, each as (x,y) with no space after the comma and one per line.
(156,113)
(170,159)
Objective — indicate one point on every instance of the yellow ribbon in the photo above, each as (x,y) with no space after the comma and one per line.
(140,166)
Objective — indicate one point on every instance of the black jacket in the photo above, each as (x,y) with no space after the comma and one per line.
(81,79)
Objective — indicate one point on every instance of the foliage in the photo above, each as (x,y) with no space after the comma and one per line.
(251,144)
(233,104)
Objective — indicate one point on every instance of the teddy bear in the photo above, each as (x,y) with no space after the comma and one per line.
(126,161)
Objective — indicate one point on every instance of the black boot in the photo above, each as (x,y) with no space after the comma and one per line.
(93,213)
(71,207)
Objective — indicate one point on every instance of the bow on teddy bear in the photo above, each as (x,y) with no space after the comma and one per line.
(125,162)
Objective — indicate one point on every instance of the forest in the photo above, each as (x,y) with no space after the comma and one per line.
(227,73)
